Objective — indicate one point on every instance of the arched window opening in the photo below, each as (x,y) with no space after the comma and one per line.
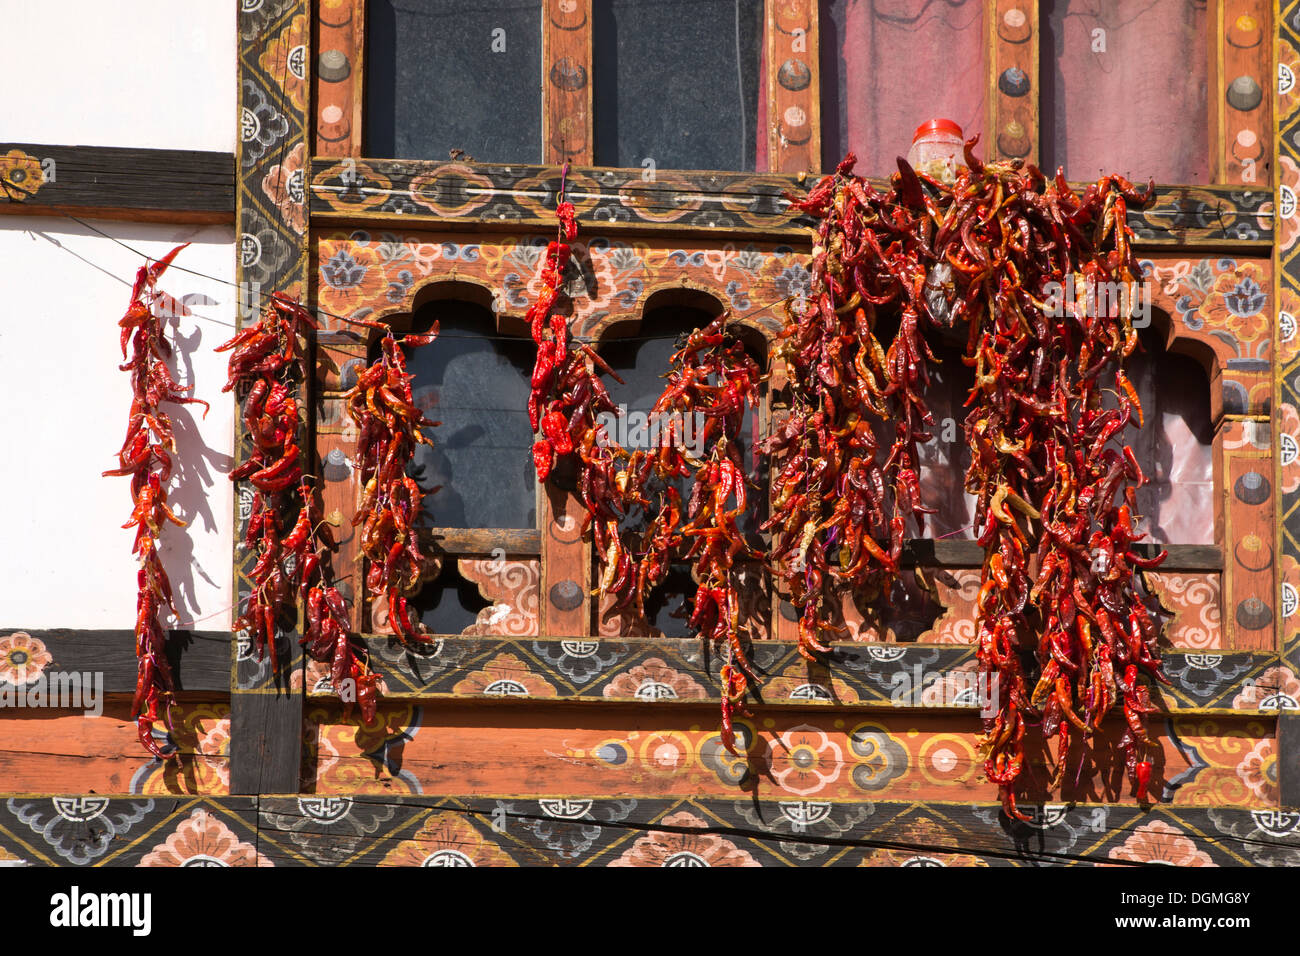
(476,384)
(641,361)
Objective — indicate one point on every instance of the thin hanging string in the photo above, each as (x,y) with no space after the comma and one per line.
(585,340)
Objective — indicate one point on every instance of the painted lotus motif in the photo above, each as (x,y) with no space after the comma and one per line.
(662,848)
(351,276)
(653,679)
(1259,771)
(284,186)
(204,840)
(22,658)
(505,676)
(1158,842)
(447,839)
(1237,300)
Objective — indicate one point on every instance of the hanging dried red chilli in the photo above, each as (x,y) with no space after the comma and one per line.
(146,456)
(266,368)
(835,493)
(713,378)
(389,427)
(567,395)
(1059,570)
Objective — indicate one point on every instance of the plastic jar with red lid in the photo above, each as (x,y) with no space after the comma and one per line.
(936,151)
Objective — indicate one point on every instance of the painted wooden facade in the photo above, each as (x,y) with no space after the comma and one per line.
(546,733)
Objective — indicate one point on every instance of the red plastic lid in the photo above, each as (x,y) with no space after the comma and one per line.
(936,126)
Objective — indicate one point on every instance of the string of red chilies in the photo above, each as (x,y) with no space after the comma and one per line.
(1057,504)
(265,369)
(1056,499)
(835,493)
(389,428)
(711,376)
(145,455)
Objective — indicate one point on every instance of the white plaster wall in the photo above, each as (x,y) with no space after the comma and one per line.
(66,561)
(136,73)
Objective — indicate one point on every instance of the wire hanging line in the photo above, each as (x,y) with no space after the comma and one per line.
(584,340)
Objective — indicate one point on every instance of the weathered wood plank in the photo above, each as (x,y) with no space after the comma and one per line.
(1012,42)
(793,83)
(566,97)
(968,554)
(483,542)
(592,830)
(265,741)
(155,185)
(1288,760)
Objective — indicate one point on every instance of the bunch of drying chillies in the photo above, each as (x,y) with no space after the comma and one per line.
(265,369)
(711,377)
(566,393)
(145,455)
(389,428)
(1056,499)
(840,505)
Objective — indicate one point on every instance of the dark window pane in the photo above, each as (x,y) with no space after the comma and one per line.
(945,458)
(482,454)
(1124,89)
(887,66)
(449,603)
(642,363)
(443,75)
(677,82)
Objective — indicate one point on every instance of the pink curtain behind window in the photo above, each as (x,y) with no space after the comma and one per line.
(1174,448)
(1124,89)
(890,65)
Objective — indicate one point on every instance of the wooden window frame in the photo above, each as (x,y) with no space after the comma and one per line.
(1188,218)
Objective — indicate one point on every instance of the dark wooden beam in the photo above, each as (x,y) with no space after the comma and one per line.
(968,554)
(868,675)
(483,542)
(107,182)
(483,196)
(200,660)
(596,829)
(265,709)
(1288,759)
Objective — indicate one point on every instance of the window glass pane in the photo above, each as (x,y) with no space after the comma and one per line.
(677,82)
(1124,89)
(887,66)
(482,453)
(444,75)
(1175,447)
(642,363)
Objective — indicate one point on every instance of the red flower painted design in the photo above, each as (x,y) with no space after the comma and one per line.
(285,186)
(1158,842)
(22,658)
(203,840)
(804,759)
(1237,301)
(653,679)
(1258,771)
(660,848)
